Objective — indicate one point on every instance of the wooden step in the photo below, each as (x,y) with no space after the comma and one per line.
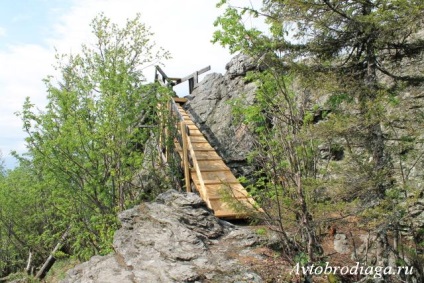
(218,190)
(212,170)
(213,182)
(224,210)
(214,163)
(196,139)
(223,177)
(207,155)
(209,159)
(180,100)
(192,127)
(212,166)
(202,147)
(217,178)
(195,132)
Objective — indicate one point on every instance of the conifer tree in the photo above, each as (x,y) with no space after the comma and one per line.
(335,71)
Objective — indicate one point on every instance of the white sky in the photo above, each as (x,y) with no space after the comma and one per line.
(31,30)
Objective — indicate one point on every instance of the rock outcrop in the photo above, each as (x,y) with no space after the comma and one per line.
(174,239)
(210,108)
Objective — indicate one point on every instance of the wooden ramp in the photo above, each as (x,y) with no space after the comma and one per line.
(207,171)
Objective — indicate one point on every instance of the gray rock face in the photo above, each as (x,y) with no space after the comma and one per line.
(174,239)
(341,244)
(239,66)
(210,108)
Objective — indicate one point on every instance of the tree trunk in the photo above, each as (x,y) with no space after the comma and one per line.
(50,260)
(305,220)
(28,267)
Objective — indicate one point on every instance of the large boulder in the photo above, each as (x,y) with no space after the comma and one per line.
(174,239)
(210,107)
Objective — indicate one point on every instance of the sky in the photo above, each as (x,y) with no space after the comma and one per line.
(33,31)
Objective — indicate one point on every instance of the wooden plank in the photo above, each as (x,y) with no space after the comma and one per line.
(214,169)
(201,71)
(202,187)
(213,163)
(180,99)
(198,139)
(196,133)
(213,180)
(237,190)
(192,127)
(200,149)
(222,176)
(208,158)
(223,210)
(216,183)
(210,175)
(207,155)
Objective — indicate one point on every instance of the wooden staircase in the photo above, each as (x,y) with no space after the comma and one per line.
(207,171)
(203,167)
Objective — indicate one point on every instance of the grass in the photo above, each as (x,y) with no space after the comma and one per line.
(59,269)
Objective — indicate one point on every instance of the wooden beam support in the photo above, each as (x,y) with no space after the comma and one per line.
(186,164)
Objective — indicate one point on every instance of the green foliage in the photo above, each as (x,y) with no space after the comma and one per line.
(286,148)
(302,259)
(261,231)
(21,277)
(331,79)
(84,150)
(233,33)
(25,217)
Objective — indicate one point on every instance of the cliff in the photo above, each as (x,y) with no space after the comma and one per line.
(210,108)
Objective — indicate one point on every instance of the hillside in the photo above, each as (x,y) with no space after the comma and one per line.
(209,107)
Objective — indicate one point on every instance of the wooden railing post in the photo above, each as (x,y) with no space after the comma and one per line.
(168,120)
(186,164)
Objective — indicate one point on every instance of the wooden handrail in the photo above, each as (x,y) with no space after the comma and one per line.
(163,79)
(201,71)
(193,79)
(188,152)
(199,174)
(174,109)
(183,140)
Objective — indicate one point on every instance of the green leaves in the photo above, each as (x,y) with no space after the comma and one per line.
(86,147)
(233,33)
(335,116)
